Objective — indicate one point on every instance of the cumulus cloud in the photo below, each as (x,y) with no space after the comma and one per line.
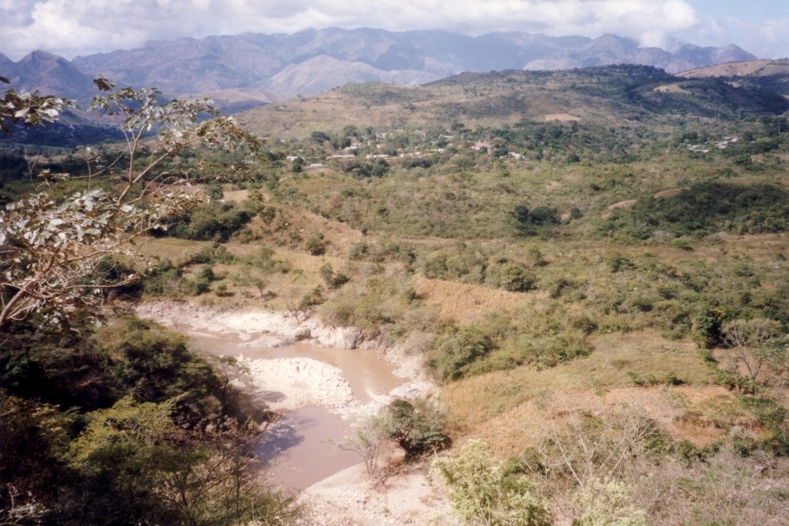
(74,27)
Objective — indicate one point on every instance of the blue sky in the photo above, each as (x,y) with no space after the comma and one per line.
(78,27)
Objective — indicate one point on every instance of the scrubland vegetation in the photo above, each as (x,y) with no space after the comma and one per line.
(594,269)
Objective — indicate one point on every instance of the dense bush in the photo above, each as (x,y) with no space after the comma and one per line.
(532,222)
(416,162)
(707,208)
(213,221)
(362,170)
(454,354)
(418,428)
(125,427)
(482,491)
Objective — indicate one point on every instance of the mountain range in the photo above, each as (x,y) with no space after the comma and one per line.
(251,69)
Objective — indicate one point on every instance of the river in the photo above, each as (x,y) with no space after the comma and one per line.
(302,447)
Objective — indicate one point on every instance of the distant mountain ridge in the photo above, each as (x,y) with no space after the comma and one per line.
(277,67)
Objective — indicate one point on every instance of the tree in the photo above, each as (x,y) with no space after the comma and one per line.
(28,108)
(417,428)
(50,249)
(159,472)
(750,346)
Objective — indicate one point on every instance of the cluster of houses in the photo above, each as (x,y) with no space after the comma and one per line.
(721,145)
(350,152)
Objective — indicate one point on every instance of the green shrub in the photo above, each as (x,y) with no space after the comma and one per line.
(331,279)
(316,245)
(196,287)
(418,428)
(517,278)
(682,244)
(584,324)
(643,380)
(483,492)
(559,287)
(264,260)
(618,262)
(454,354)
(162,279)
(536,257)
(214,192)
(379,169)
(707,327)
(359,251)
(549,352)
(206,273)
(311,298)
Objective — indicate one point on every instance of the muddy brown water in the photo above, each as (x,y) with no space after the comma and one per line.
(302,447)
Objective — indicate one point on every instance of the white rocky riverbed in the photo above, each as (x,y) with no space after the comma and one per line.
(269,345)
(312,372)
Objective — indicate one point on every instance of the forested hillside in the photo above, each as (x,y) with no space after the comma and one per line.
(590,264)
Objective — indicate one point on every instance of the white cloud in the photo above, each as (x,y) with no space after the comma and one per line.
(73,27)
(768,38)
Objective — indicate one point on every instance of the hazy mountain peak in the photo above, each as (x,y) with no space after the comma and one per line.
(5,62)
(284,63)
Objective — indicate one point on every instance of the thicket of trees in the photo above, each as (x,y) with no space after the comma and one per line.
(118,423)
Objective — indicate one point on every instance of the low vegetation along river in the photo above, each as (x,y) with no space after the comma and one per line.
(322,392)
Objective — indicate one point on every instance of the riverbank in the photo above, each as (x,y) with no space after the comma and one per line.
(299,365)
(290,382)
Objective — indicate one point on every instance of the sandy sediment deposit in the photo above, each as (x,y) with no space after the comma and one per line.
(349,499)
(297,382)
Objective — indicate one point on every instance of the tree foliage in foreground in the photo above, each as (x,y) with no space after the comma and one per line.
(49,247)
(28,108)
(126,427)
